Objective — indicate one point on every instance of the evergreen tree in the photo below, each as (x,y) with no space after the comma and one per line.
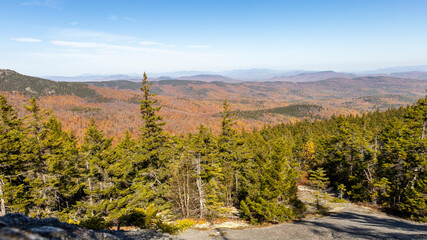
(404,162)
(95,153)
(228,155)
(122,172)
(182,177)
(150,161)
(152,134)
(12,166)
(269,181)
(320,182)
(209,173)
(41,193)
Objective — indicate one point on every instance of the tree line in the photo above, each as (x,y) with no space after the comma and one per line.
(377,157)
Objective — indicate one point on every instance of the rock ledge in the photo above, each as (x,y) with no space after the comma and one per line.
(18,226)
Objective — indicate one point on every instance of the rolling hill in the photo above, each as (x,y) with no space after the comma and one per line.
(188,103)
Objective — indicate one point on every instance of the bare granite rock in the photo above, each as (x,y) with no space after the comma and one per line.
(17,226)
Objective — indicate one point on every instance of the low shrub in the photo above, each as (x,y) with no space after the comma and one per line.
(142,218)
(95,223)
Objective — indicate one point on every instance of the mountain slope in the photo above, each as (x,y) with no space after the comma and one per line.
(11,81)
(122,85)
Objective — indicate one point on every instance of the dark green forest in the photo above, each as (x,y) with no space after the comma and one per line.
(296,110)
(377,157)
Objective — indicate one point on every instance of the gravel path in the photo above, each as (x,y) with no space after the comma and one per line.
(347,221)
(344,225)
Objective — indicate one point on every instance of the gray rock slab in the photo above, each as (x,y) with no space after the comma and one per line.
(344,225)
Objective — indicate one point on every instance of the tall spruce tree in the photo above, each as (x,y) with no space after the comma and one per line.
(12,166)
(150,160)
(152,136)
(404,159)
(209,173)
(227,153)
(269,187)
(42,193)
(119,195)
(95,153)
(61,156)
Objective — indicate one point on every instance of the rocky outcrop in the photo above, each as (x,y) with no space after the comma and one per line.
(21,227)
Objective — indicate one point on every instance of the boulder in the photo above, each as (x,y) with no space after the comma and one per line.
(16,226)
(51,232)
(19,234)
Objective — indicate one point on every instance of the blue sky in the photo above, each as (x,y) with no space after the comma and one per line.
(72,37)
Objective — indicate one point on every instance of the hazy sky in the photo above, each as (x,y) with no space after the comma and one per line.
(72,37)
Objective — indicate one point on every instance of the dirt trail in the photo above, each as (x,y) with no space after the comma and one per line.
(346,221)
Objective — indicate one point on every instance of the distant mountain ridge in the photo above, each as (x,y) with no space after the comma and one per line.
(398,69)
(312,77)
(255,74)
(87,78)
(208,78)
(412,75)
(337,87)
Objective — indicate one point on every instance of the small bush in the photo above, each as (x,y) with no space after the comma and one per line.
(175,227)
(299,208)
(142,218)
(185,224)
(71,221)
(167,227)
(422,219)
(147,218)
(337,200)
(95,223)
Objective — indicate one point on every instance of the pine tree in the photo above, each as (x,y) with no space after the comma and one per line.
(95,153)
(150,160)
(182,177)
(209,173)
(269,181)
(320,182)
(38,176)
(152,136)
(152,133)
(404,162)
(228,155)
(11,162)
(122,171)
(61,156)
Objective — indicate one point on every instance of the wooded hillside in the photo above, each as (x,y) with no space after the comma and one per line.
(377,157)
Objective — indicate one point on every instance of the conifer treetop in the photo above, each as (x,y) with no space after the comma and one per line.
(152,123)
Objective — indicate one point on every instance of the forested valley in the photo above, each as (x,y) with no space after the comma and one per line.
(377,157)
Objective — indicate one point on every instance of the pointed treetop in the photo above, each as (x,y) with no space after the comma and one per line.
(152,122)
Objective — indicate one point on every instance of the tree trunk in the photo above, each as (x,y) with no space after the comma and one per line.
(188,194)
(2,202)
(236,176)
(200,189)
(424,130)
(90,195)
